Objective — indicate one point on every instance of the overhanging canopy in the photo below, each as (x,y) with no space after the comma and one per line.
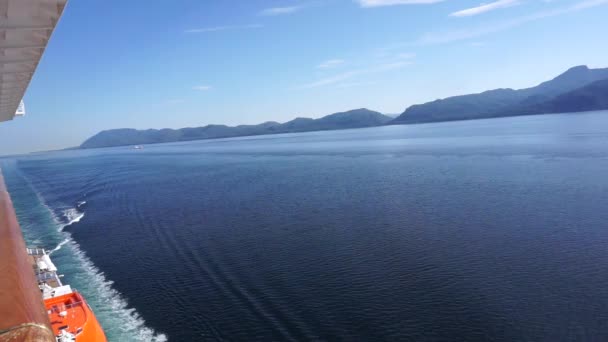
(25,29)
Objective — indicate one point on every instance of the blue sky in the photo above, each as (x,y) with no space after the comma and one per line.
(178,63)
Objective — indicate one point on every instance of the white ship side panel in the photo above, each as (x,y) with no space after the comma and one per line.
(25,29)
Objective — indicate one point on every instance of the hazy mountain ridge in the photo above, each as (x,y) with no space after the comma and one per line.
(577,89)
(593,96)
(507,102)
(357,118)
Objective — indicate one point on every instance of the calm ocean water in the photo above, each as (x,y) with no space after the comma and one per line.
(476,230)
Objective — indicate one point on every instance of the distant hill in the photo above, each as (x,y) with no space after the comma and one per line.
(577,89)
(593,96)
(505,102)
(356,118)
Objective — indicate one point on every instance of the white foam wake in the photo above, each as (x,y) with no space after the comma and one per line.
(114,310)
(66,240)
(71,216)
(120,322)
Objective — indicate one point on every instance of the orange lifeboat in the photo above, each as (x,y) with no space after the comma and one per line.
(72,318)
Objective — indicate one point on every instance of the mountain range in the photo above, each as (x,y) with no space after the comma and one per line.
(356,118)
(544,98)
(577,89)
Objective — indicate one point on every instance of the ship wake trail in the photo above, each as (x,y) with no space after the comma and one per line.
(61,244)
(120,322)
(70,217)
(114,308)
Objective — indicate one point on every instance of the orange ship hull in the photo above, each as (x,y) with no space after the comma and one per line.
(71,313)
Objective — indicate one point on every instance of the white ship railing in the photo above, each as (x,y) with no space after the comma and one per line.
(36,251)
(64,307)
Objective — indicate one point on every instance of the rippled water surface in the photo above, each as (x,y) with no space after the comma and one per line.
(476,230)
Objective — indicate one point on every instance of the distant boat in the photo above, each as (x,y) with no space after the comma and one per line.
(138,147)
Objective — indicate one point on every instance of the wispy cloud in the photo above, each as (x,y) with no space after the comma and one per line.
(223,28)
(459,35)
(280,10)
(357,72)
(354,84)
(202,87)
(375,63)
(331,63)
(174,101)
(405,55)
(588,4)
(485,8)
(331,80)
(380,3)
